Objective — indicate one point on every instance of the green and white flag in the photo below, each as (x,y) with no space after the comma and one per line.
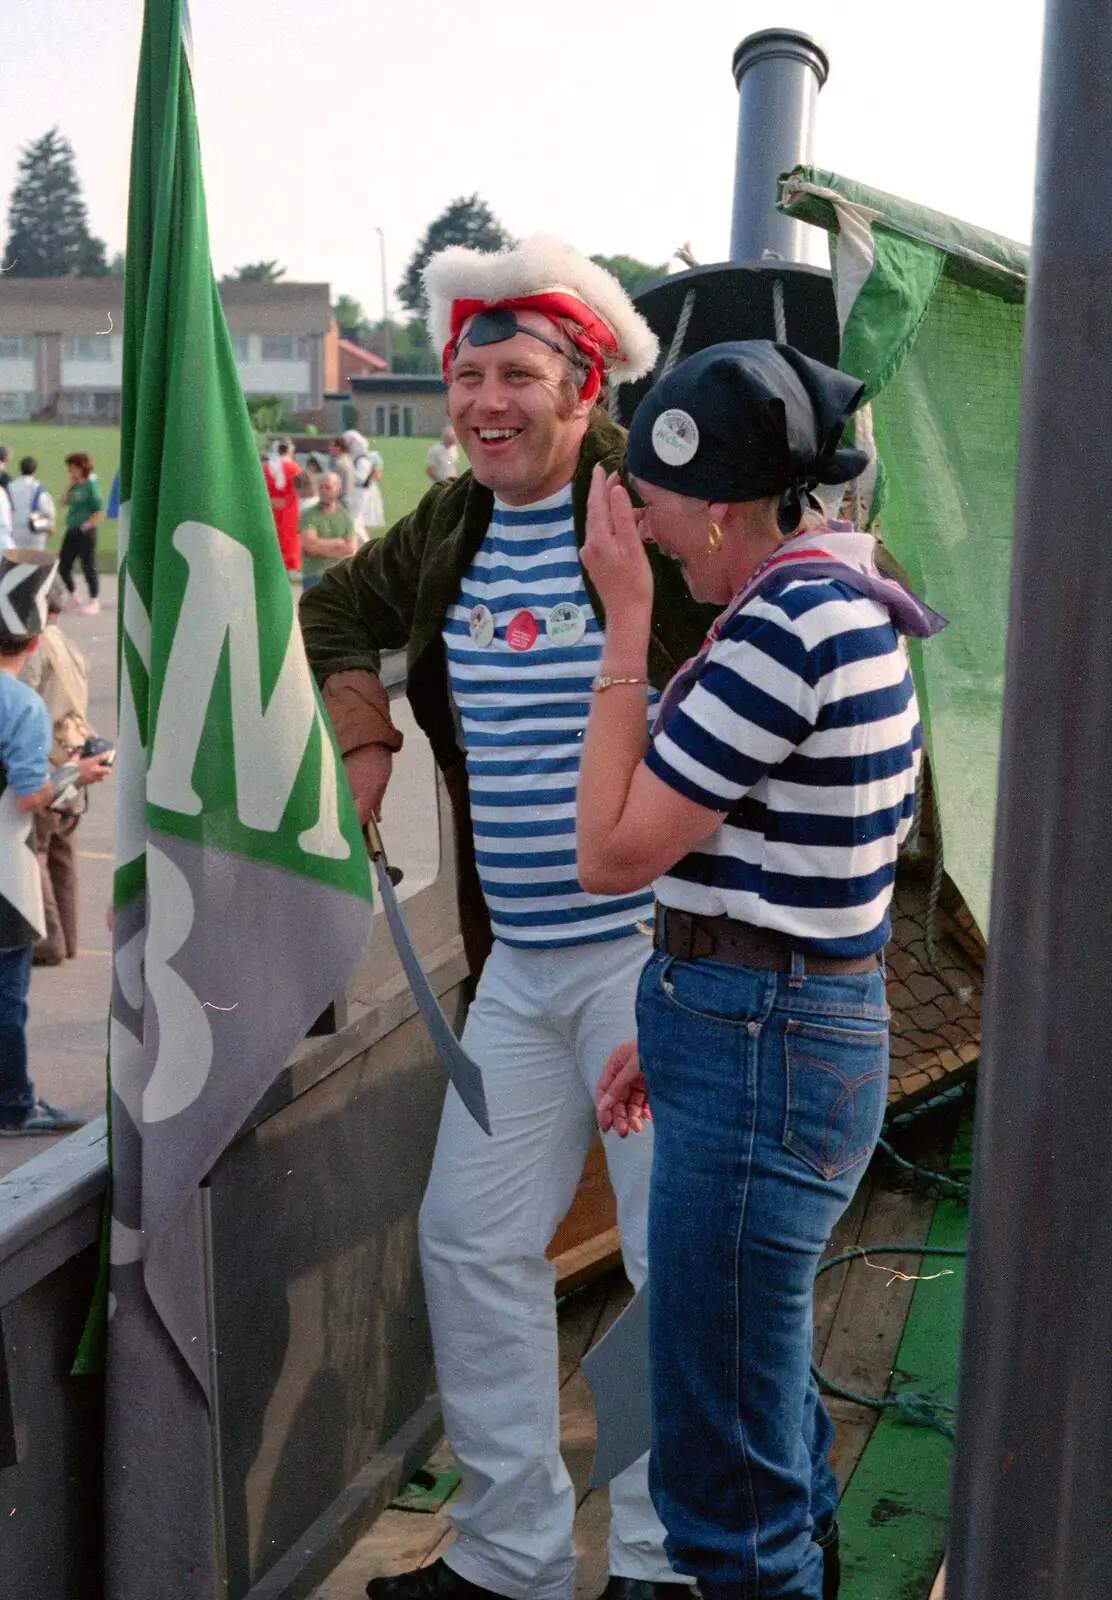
(242,889)
(931,314)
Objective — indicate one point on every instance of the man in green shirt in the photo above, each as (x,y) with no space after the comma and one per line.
(84,509)
(327,532)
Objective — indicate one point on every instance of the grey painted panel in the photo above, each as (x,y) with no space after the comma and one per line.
(50,1510)
(323,1341)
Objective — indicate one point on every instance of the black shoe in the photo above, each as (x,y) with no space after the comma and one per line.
(831,1562)
(642,1589)
(435,1582)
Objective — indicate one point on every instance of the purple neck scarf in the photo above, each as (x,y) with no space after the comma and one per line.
(839,553)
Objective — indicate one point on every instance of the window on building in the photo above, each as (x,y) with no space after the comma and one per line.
(395,421)
(16,347)
(407,421)
(242,347)
(285,349)
(99,404)
(380,419)
(16,405)
(97,348)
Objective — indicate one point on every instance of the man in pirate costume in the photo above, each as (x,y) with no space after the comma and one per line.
(25,787)
(482,586)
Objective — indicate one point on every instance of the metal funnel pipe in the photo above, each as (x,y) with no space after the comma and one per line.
(778,73)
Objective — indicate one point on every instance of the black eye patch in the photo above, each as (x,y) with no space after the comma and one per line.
(498,325)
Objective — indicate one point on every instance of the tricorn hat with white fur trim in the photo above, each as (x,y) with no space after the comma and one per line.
(540,274)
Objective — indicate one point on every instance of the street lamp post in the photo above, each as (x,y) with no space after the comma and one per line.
(387,329)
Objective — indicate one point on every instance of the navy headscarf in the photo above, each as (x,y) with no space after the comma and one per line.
(745,421)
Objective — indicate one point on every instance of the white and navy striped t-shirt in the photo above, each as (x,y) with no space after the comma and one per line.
(524,713)
(804,724)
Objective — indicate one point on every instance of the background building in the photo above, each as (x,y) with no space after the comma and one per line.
(61,346)
(400,405)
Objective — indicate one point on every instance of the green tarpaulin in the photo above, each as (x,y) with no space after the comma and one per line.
(931,311)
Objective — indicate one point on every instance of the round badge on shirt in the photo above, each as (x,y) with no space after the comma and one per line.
(521,631)
(481,624)
(566,623)
(675,437)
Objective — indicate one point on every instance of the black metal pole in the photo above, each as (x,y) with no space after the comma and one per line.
(1032,1498)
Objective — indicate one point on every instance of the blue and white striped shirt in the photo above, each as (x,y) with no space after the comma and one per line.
(524,713)
(803,727)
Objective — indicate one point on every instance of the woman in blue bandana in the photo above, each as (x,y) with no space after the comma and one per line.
(767,809)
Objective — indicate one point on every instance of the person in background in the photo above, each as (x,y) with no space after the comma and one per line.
(366,497)
(5,456)
(59,673)
(313,470)
(340,462)
(305,489)
(84,509)
(6,539)
(279,471)
(442,461)
(25,738)
(327,532)
(33,513)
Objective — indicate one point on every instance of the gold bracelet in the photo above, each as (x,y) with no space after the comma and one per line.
(603,682)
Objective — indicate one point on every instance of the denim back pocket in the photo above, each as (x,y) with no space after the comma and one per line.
(837,1081)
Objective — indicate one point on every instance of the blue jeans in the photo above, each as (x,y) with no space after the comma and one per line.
(16,1093)
(767,1095)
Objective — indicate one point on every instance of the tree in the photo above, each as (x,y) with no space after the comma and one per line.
(350,318)
(257,272)
(48,225)
(467,221)
(116,265)
(633,275)
(412,350)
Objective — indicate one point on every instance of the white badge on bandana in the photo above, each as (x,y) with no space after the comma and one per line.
(481,624)
(675,437)
(566,623)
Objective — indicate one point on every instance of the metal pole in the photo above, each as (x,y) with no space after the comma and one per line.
(1032,1496)
(387,330)
(779,73)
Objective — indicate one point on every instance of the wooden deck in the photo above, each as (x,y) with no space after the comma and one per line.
(859,1319)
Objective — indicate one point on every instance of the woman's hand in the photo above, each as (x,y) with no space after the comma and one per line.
(621,1102)
(613,553)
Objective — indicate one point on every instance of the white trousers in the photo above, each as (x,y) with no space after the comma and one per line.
(541,1027)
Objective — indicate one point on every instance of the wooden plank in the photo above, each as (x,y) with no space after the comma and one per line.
(592,1528)
(579,1315)
(594,1209)
(577,1431)
(398,1542)
(893,1515)
(592,1259)
(828,1287)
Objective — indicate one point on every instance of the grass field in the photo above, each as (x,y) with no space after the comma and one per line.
(403,480)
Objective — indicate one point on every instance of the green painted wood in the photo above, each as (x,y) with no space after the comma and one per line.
(894,1512)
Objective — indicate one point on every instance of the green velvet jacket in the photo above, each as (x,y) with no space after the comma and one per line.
(395,594)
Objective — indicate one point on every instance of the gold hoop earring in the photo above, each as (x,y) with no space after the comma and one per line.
(714,539)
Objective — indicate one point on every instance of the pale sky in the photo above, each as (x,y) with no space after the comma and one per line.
(610,122)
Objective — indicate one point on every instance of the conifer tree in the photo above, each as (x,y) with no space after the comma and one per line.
(48,226)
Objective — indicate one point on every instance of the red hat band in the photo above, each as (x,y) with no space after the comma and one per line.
(590,335)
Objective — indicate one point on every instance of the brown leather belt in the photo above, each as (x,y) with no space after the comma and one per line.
(695,938)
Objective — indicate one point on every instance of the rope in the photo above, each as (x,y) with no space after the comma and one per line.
(959,1186)
(780,321)
(680,334)
(913,1408)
